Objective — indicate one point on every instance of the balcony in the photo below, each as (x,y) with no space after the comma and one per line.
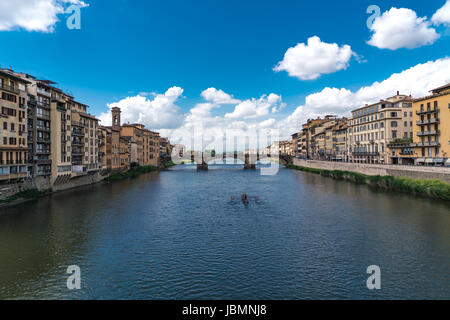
(428,111)
(43,151)
(43,116)
(32,103)
(428,133)
(78,143)
(79,133)
(43,140)
(430,121)
(43,92)
(43,128)
(9,88)
(43,105)
(366,153)
(77,153)
(78,124)
(43,161)
(428,144)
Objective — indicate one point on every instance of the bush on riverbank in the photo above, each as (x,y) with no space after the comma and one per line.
(26,195)
(432,188)
(169,164)
(133,172)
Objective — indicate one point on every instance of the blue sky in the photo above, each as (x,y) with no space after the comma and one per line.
(127,47)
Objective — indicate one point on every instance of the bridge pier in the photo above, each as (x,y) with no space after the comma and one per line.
(200,166)
(247,164)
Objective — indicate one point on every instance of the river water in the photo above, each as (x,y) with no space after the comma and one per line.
(176,234)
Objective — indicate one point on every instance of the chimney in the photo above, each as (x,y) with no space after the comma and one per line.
(398,93)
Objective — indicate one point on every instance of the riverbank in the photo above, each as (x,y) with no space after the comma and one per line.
(24,196)
(424,188)
(34,193)
(133,172)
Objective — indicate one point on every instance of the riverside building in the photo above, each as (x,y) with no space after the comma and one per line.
(38,124)
(431,133)
(13,137)
(374,126)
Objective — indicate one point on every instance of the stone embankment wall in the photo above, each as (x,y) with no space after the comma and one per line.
(399,171)
(44,183)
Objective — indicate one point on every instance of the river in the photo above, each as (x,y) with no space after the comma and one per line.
(176,234)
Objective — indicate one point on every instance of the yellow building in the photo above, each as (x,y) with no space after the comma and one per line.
(61,133)
(112,141)
(38,124)
(431,142)
(432,130)
(147,144)
(165,148)
(321,141)
(339,133)
(102,154)
(124,152)
(85,146)
(13,118)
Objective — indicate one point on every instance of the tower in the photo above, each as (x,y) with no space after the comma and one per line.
(115,118)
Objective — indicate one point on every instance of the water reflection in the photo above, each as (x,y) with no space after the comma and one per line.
(176,234)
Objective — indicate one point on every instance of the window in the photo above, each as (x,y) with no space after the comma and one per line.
(394,134)
(9,97)
(5,125)
(394,124)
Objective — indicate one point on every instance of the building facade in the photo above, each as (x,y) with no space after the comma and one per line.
(13,140)
(373,127)
(431,133)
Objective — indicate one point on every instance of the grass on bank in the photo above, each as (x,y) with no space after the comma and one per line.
(436,189)
(133,172)
(26,195)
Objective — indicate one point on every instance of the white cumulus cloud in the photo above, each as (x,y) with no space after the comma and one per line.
(415,81)
(33,15)
(442,16)
(163,115)
(218,96)
(255,108)
(161,112)
(401,28)
(309,61)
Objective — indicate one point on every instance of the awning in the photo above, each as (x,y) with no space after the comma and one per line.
(420,160)
(429,160)
(438,160)
(447,163)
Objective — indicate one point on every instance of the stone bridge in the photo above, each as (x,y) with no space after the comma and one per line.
(202,159)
